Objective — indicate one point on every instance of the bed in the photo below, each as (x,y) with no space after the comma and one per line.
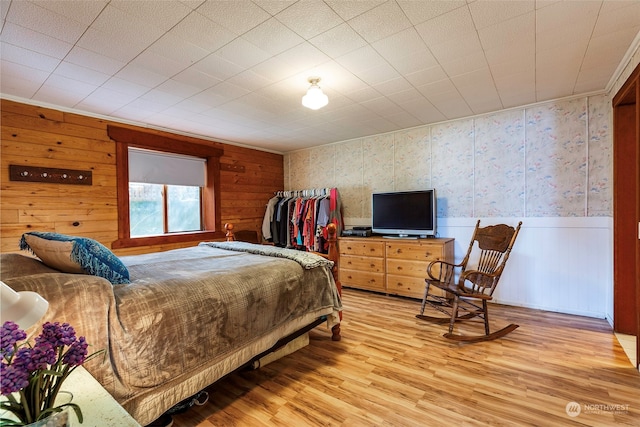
(188,317)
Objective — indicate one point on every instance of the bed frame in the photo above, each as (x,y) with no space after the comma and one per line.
(333,254)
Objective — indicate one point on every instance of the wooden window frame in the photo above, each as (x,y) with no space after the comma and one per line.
(125,138)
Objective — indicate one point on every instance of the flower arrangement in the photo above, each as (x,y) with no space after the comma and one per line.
(31,375)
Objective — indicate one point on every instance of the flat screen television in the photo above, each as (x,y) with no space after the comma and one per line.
(404,213)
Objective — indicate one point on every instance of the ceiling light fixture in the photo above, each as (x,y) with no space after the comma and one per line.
(314,98)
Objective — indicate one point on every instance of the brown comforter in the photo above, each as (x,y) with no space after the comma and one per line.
(189,316)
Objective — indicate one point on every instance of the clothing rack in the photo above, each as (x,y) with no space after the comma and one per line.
(297,219)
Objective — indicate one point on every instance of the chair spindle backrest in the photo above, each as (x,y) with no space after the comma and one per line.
(495,243)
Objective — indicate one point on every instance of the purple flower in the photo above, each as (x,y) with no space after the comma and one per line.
(12,379)
(56,334)
(77,353)
(9,336)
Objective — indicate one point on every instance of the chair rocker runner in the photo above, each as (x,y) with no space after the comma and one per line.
(467,298)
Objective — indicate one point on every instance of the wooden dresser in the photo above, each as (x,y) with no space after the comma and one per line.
(390,266)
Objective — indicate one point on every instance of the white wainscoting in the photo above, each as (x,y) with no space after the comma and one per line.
(557,264)
(561,264)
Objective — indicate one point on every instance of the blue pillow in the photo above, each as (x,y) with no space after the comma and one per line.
(73,254)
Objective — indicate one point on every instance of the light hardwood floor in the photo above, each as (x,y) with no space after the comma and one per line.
(391,369)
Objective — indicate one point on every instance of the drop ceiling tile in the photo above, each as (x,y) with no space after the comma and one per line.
(115,46)
(406,95)
(420,11)
(377,75)
(351,9)
(179,89)
(406,42)
(35,41)
(156,100)
(273,69)
(117,84)
(510,53)
(274,6)
(309,18)
(456,24)
(104,101)
(61,82)
(302,57)
(380,22)
(93,61)
(382,106)
(83,12)
(4,9)
(203,32)
(615,16)
(451,104)
(250,80)
(414,63)
(556,15)
(115,21)
(27,57)
(217,66)
(454,49)
(465,64)
(338,41)
(423,110)
(34,17)
(513,65)
(80,74)
(55,95)
(158,64)
(404,120)
(162,14)
(12,71)
(512,32)
(18,86)
(236,16)
(209,97)
(361,59)
(488,13)
(177,49)
(426,76)
(243,53)
(389,87)
(229,91)
(273,37)
(141,76)
(444,86)
(194,77)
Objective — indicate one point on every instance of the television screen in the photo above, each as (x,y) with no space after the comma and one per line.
(404,213)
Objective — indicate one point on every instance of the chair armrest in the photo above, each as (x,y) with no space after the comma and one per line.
(447,270)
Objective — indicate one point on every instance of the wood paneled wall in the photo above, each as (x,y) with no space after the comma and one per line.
(44,137)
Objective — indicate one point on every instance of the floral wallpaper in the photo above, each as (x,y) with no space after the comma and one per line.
(547,160)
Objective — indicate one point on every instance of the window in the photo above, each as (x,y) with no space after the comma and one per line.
(165,193)
(168,188)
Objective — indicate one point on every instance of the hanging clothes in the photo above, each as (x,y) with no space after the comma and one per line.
(299,219)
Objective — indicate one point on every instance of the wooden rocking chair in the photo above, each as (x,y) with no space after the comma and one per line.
(474,287)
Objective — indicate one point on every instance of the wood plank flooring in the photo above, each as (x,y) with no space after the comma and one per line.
(391,369)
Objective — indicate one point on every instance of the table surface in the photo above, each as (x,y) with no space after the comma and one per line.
(98,407)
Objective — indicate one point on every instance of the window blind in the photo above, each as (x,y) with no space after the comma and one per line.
(155,167)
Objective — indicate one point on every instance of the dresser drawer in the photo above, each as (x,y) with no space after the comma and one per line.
(362,247)
(362,263)
(416,252)
(405,286)
(407,268)
(362,279)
